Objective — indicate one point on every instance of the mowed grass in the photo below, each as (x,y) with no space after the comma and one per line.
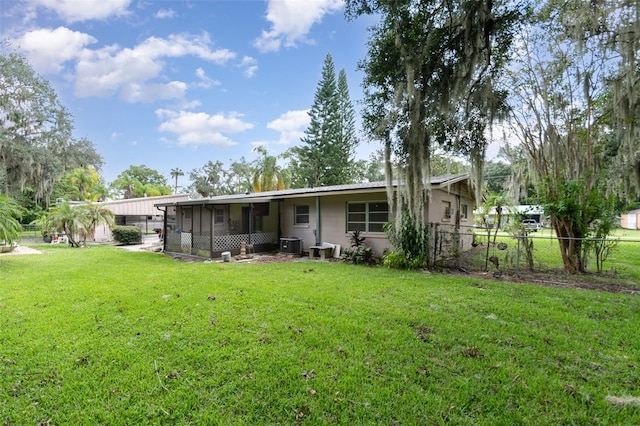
(104,336)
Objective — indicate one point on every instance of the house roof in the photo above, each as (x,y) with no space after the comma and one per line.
(144,206)
(437,182)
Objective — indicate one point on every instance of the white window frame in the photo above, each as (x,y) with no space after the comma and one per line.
(297,215)
(367,216)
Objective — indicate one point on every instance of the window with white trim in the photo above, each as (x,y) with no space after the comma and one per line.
(367,216)
(464,211)
(301,215)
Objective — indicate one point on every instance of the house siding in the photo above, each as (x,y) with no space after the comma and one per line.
(630,220)
(305,232)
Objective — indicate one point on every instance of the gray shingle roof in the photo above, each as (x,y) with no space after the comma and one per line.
(436,181)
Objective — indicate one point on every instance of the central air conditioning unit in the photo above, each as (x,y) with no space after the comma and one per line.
(291,245)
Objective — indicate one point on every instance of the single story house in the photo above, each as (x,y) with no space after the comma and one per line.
(630,219)
(296,219)
(140,212)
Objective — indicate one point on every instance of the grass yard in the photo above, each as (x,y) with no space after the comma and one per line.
(104,336)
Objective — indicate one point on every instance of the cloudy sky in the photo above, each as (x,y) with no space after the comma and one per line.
(178,83)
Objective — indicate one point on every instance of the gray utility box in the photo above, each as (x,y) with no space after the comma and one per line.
(291,245)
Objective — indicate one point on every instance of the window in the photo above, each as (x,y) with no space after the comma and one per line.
(187,213)
(219,216)
(447,210)
(463,211)
(301,215)
(367,217)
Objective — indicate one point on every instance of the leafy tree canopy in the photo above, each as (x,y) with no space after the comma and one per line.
(430,78)
(141,181)
(36,143)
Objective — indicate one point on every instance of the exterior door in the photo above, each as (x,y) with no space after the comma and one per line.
(187,214)
(221,220)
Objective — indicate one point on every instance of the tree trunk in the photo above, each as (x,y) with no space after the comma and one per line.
(570,246)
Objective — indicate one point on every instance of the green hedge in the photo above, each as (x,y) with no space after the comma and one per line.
(127,235)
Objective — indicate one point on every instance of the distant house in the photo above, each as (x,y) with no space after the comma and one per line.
(630,220)
(510,214)
(140,212)
(296,219)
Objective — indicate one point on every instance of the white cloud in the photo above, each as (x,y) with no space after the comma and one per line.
(291,125)
(165,14)
(205,81)
(112,69)
(47,50)
(250,66)
(183,44)
(152,92)
(291,21)
(200,128)
(75,10)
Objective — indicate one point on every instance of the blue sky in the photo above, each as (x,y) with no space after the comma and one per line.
(178,83)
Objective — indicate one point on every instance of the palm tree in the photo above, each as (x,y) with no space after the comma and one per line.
(10,227)
(175,173)
(268,175)
(127,184)
(84,179)
(96,214)
(98,193)
(70,220)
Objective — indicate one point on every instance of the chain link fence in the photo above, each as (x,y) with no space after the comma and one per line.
(477,249)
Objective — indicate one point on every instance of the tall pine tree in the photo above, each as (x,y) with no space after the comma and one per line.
(326,154)
(348,139)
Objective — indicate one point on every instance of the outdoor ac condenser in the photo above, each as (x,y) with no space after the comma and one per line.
(290,245)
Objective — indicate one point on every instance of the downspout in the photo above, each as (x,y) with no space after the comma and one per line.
(318,224)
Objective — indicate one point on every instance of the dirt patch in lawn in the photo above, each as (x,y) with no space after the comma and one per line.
(599,282)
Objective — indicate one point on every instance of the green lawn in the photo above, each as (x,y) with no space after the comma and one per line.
(104,336)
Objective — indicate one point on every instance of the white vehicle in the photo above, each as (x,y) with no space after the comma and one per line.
(531,225)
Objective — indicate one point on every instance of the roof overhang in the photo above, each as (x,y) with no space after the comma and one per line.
(437,182)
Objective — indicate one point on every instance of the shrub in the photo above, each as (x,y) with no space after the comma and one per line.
(127,235)
(356,240)
(410,241)
(359,256)
(398,259)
